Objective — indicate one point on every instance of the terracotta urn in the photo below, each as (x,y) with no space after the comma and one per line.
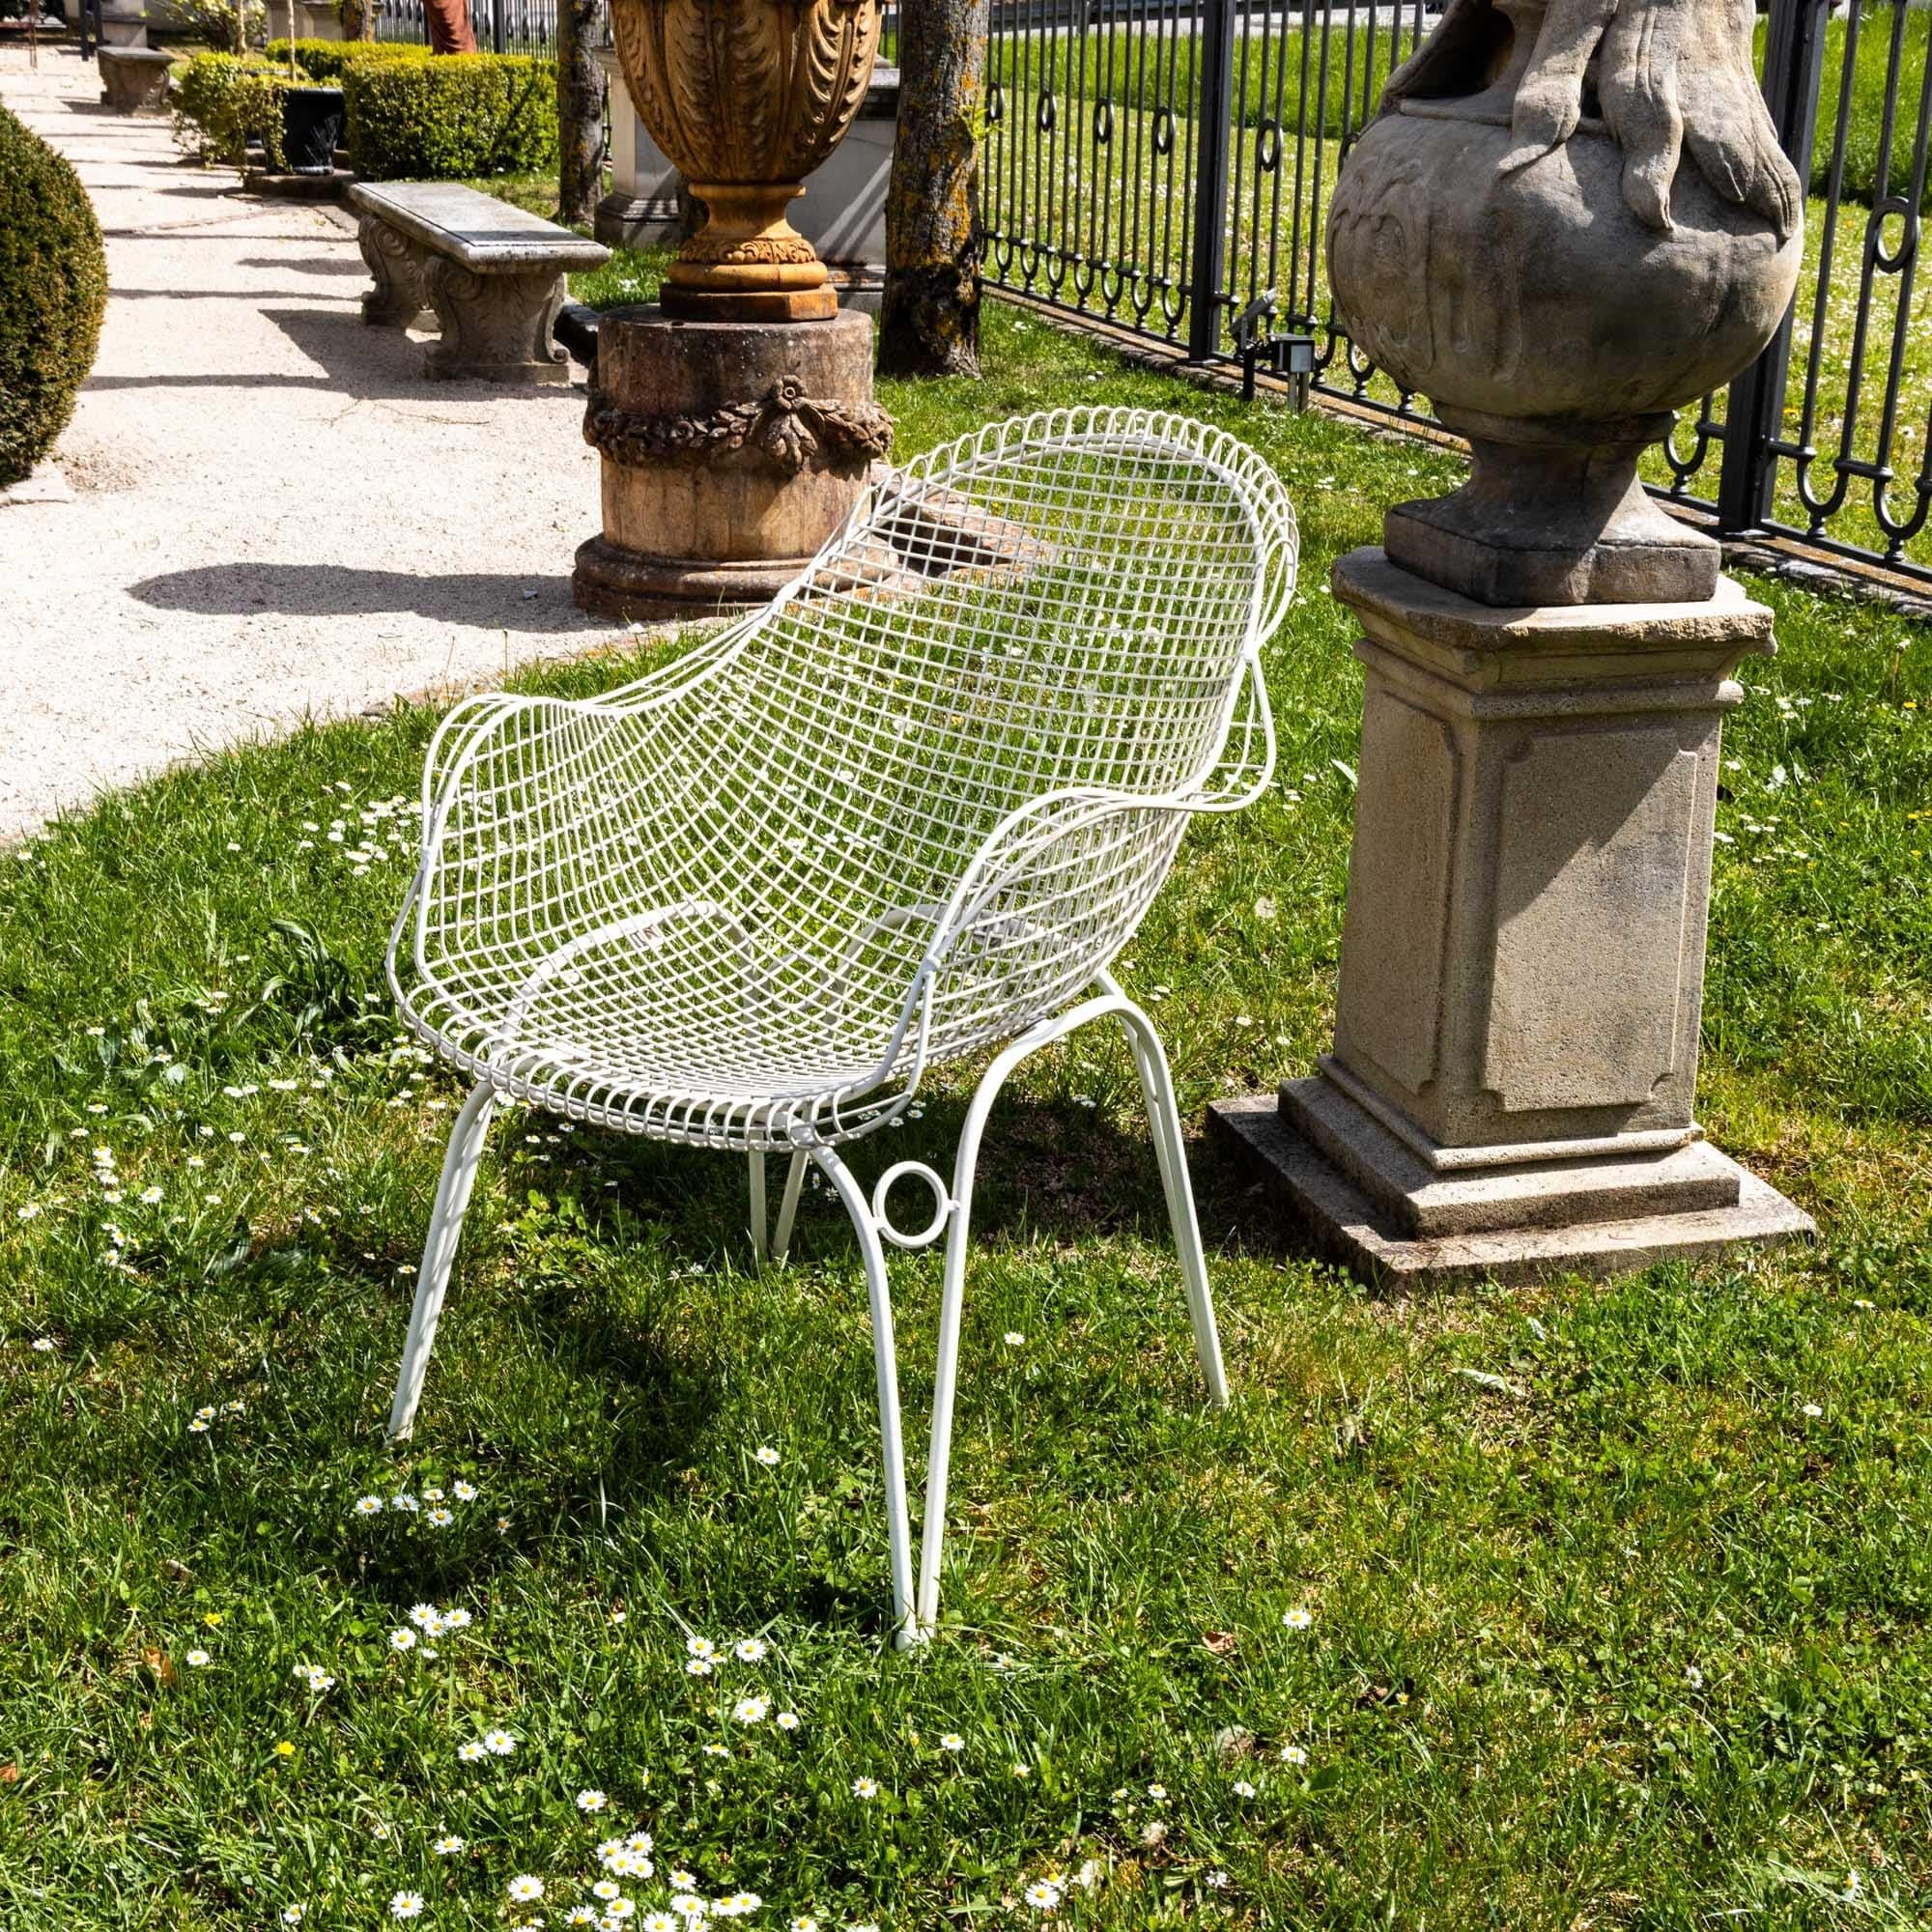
(747,97)
(1558,282)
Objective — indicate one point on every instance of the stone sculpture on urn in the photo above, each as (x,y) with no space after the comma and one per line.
(735,417)
(1567,221)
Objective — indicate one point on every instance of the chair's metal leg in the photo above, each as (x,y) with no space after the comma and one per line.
(898,1528)
(445,1228)
(952,1305)
(758,1220)
(788,1207)
(1164,1118)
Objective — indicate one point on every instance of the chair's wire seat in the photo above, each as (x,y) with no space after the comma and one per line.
(897,817)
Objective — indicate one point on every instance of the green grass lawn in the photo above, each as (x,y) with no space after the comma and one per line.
(1616,1596)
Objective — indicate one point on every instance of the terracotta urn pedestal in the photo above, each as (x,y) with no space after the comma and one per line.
(1563,226)
(731,451)
(735,418)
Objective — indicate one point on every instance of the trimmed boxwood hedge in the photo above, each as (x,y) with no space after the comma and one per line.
(220,100)
(322,61)
(53,287)
(452,118)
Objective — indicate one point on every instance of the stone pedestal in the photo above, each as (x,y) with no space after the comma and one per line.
(318,20)
(842,213)
(399,300)
(496,327)
(731,451)
(1516,1048)
(134,80)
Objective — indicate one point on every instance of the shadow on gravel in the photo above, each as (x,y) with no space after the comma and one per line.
(503,603)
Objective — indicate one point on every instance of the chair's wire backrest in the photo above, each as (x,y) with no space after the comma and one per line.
(1055,608)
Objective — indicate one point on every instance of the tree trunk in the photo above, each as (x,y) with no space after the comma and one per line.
(579,112)
(929,313)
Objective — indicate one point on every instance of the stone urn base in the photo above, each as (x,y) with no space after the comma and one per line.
(1511,1090)
(731,451)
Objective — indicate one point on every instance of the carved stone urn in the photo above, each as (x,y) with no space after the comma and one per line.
(1570,217)
(747,97)
(1556,284)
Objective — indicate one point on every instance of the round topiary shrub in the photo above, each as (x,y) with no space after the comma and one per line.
(53,286)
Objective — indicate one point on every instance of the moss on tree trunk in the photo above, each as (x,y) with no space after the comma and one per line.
(929,312)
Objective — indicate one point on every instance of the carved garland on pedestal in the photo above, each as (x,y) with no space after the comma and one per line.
(786,427)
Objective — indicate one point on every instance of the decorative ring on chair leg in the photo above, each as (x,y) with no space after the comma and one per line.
(942,1209)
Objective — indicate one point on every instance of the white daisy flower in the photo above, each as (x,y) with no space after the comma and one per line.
(1217,1881)
(439,1518)
(684,1881)
(865,1787)
(447,1846)
(1043,1894)
(426,1617)
(657,1922)
(292,1915)
(464,1492)
(767,1456)
(1293,1754)
(405,1502)
(198,1426)
(1300,1618)
(749,1650)
(406,1905)
(580,1914)
(150,1196)
(1013,1339)
(1242,1788)
(195,1659)
(457,1619)
(700,1646)
(738,1905)
(402,1637)
(641,1843)
(697,1666)
(606,1888)
(752,1709)
(498,1744)
(432,1495)
(588,1802)
(687,1905)
(526,1889)
(473,1751)
(786,1720)
(618,1910)
(804,1922)
(368,1505)
(951,1741)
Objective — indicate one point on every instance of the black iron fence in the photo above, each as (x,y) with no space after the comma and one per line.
(1166,165)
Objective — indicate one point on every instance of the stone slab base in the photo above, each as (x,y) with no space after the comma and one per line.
(636,586)
(332,186)
(1370,1239)
(635,221)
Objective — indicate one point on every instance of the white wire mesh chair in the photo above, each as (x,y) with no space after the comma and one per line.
(906,812)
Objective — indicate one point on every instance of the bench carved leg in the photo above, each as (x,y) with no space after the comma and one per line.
(399,300)
(496,327)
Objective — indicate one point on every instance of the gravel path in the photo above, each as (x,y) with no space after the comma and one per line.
(274,515)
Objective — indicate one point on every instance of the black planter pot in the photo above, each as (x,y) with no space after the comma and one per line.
(311,128)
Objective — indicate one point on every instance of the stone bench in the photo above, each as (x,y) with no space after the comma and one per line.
(133,80)
(492,273)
